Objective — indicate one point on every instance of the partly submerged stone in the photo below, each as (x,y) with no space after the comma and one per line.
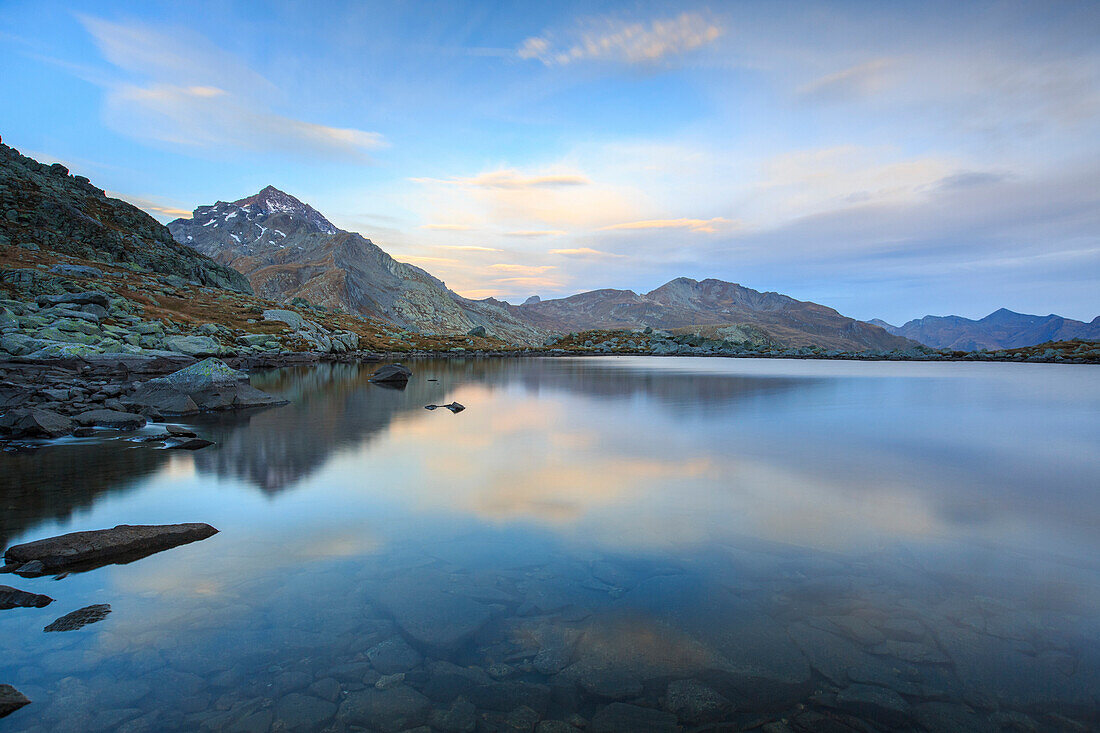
(15,598)
(439,622)
(111,419)
(80,618)
(11,700)
(210,384)
(454,407)
(191,444)
(393,373)
(35,423)
(100,547)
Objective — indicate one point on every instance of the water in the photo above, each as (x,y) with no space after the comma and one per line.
(858,545)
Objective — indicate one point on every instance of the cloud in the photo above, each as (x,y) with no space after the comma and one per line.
(534,283)
(447,227)
(537,233)
(625,42)
(196,95)
(512,179)
(583,252)
(695,225)
(469,248)
(436,260)
(856,81)
(522,269)
(152,207)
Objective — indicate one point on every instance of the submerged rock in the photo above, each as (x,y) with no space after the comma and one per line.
(392,373)
(80,618)
(619,717)
(392,710)
(15,598)
(111,419)
(191,444)
(439,622)
(11,700)
(100,547)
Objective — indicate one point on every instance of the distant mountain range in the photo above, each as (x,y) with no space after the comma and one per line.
(288,249)
(1001,329)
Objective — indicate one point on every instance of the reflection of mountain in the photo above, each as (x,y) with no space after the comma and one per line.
(51,483)
(333,407)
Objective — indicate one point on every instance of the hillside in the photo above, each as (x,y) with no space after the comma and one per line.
(46,209)
(287,249)
(1002,329)
(684,303)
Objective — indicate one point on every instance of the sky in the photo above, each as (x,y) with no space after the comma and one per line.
(890,160)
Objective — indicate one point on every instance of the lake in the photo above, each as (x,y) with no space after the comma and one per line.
(620,543)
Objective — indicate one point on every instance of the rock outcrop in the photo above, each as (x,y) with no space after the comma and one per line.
(15,598)
(45,208)
(207,385)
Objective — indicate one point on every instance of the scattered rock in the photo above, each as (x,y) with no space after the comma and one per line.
(76,271)
(392,373)
(878,705)
(34,567)
(393,656)
(86,298)
(191,444)
(477,331)
(11,700)
(389,711)
(85,432)
(454,407)
(208,385)
(298,712)
(461,717)
(693,702)
(179,432)
(439,622)
(387,681)
(35,423)
(111,419)
(290,318)
(103,546)
(80,618)
(15,598)
(619,718)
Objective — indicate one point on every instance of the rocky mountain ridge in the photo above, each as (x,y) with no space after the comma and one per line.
(289,250)
(684,303)
(1001,329)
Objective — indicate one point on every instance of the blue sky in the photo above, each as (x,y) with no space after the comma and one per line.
(887,159)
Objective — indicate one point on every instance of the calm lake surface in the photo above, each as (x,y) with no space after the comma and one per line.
(641,543)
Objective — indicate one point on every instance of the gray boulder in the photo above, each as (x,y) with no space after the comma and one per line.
(76,271)
(15,598)
(477,331)
(111,419)
(35,423)
(210,384)
(392,373)
(290,318)
(192,345)
(104,546)
(87,298)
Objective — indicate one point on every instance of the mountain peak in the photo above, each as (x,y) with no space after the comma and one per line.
(271,200)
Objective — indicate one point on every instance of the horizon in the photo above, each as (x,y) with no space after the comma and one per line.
(888,162)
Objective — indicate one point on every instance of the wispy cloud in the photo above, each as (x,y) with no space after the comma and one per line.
(447,227)
(193,94)
(583,252)
(151,206)
(862,79)
(531,234)
(512,179)
(469,248)
(521,269)
(696,225)
(610,39)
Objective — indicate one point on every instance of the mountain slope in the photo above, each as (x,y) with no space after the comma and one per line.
(44,207)
(287,249)
(685,302)
(1002,329)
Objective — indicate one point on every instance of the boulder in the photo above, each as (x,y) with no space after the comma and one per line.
(15,598)
(192,345)
(111,419)
(11,700)
(210,384)
(76,271)
(104,546)
(477,331)
(391,373)
(290,318)
(454,407)
(436,621)
(191,444)
(85,298)
(80,618)
(35,423)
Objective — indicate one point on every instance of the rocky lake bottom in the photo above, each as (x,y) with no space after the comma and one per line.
(599,544)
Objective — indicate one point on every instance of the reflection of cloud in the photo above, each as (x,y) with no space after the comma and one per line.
(469,248)
(536,233)
(521,269)
(615,40)
(447,227)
